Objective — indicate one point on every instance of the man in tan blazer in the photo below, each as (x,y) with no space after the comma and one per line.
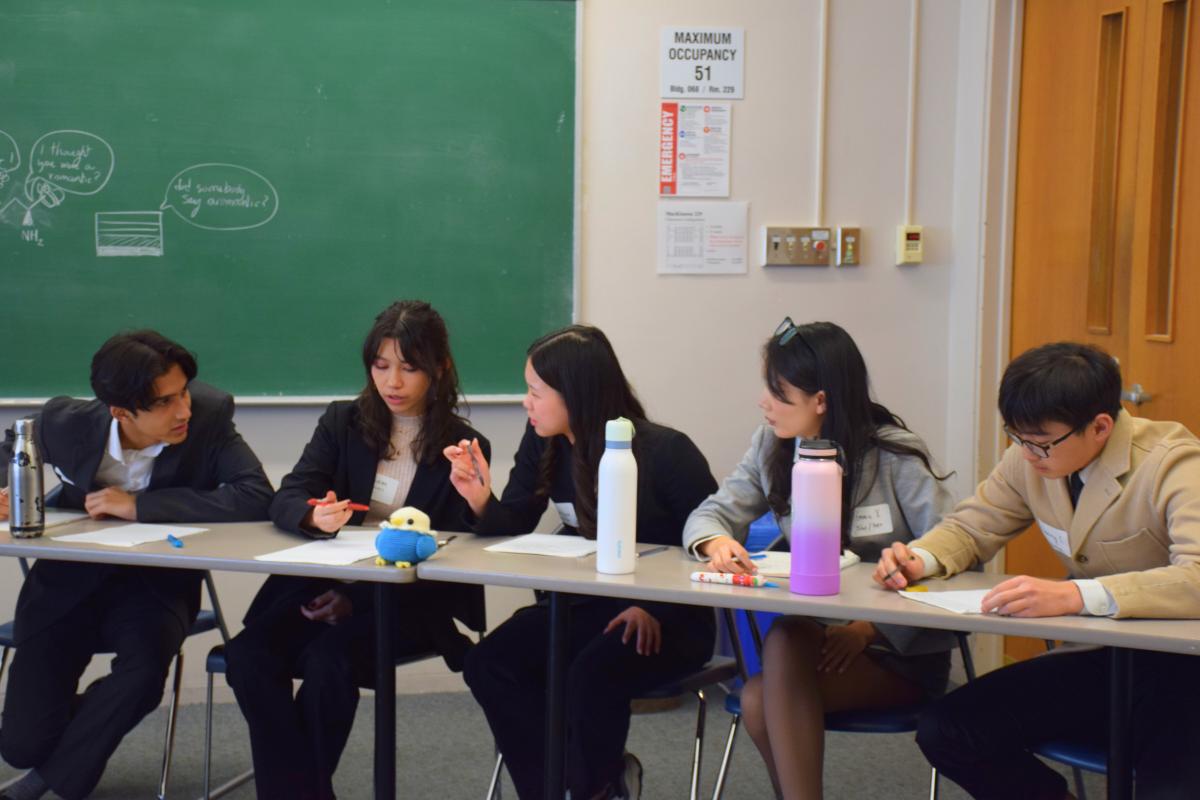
(1118,500)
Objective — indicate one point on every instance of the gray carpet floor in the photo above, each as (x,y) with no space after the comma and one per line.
(445,751)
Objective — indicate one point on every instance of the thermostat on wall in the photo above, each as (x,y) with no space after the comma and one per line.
(910,244)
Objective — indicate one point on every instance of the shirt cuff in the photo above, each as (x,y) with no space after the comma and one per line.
(933,567)
(1097,601)
(694,547)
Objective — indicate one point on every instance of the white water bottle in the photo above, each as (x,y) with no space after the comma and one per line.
(616,501)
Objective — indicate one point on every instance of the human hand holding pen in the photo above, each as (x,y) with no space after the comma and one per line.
(898,567)
(330,515)
(726,554)
(470,474)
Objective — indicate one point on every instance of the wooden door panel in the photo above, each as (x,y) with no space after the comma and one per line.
(1074,231)
(1165,362)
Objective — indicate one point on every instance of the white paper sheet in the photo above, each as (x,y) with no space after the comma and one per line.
(546,544)
(701,237)
(347,548)
(130,535)
(772,564)
(54,519)
(967,601)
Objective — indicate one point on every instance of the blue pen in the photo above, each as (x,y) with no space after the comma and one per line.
(174,540)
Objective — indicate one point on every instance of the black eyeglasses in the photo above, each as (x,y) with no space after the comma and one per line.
(1037,448)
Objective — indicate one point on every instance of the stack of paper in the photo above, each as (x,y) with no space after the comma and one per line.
(545,544)
(773,564)
(966,601)
(346,548)
(129,535)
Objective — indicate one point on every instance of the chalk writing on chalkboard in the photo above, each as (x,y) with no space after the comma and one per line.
(221,197)
(213,196)
(62,163)
(129,233)
(10,157)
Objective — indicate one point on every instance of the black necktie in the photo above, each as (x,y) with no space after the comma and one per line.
(1074,487)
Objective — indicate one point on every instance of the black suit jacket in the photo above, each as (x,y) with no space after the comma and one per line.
(212,476)
(673,478)
(338,458)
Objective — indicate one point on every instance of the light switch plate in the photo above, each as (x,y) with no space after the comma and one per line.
(787,246)
(849,246)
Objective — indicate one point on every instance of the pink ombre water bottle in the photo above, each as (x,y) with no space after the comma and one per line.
(816,518)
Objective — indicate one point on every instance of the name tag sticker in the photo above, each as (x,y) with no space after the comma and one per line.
(385,490)
(1057,538)
(873,520)
(566,512)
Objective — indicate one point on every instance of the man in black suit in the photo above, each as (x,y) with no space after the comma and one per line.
(155,446)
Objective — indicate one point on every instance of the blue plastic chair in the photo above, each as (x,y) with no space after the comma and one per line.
(206,620)
(902,719)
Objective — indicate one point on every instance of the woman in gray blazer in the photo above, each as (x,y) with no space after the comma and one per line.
(817,387)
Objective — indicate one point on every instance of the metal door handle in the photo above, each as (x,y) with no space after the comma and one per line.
(1136,395)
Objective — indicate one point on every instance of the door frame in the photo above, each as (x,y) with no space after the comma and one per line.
(985,201)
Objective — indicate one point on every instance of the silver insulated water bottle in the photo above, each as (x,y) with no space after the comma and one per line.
(27,506)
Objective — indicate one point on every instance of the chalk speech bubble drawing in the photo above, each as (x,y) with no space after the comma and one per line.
(221,197)
(10,154)
(71,162)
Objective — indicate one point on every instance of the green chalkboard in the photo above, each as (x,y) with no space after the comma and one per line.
(258,179)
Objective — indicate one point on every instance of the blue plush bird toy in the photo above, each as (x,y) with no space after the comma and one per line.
(405,538)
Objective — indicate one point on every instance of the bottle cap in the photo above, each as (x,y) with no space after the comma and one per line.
(618,430)
(816,448)
(24,426)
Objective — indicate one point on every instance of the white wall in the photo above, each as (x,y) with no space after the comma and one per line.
(691,344)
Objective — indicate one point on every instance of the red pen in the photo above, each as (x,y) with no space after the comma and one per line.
(312,501)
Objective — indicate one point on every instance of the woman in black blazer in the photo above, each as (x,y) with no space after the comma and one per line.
(382,449)
(617,650)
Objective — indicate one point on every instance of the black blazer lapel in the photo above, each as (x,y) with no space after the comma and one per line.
(91,451)
(166,465)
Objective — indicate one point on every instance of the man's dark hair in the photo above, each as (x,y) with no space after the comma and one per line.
(1062,382)
(125,367)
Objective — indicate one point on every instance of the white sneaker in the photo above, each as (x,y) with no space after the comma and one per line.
(629,785)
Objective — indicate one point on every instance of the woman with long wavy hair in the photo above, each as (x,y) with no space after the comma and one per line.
(383,451)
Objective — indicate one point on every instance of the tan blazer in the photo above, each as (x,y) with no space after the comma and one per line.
(1136,527)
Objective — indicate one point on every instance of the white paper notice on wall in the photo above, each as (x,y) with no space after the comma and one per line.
(702,62)
(693,149)
(701,238)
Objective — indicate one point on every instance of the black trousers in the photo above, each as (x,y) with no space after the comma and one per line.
(979,734)
(507,675)
(68,738)
(296,742)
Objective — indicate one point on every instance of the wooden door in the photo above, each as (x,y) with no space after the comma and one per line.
(1103,181)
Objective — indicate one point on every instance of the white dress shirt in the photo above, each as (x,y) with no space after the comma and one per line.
(128,470)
